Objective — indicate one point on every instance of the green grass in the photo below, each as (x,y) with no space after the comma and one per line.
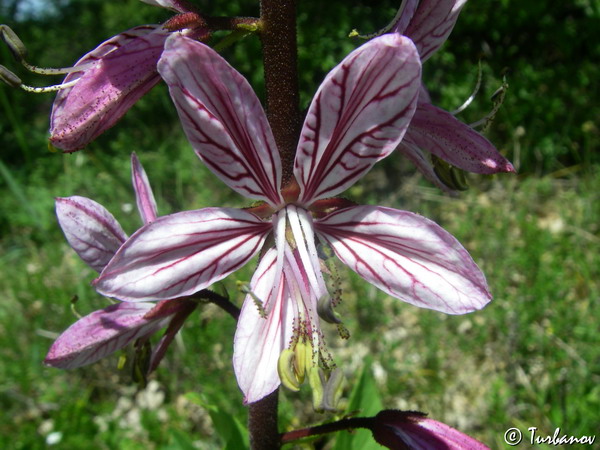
(531,358)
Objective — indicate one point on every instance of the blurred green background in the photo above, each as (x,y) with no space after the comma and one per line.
(530,359)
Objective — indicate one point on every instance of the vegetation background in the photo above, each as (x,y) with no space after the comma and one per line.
(530,359)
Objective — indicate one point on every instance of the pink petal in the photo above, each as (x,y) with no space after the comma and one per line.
(440,133)
(101,333)
(174,5)
(90,229)
(432,23)
(259,341)
(358,116)
(124,70)
(143,192)
(182,253)
(408,429)
(407,256)
(182,313)
(222,118)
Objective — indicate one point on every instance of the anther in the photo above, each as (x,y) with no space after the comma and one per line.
(497,98)
(19,51)
(9,77)
(469,100)
(14,44)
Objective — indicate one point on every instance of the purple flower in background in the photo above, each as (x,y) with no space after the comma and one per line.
(429,23)
(111,79)
(358,116)
(96,236)
(412,430)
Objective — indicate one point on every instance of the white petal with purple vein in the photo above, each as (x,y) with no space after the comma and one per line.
(358,116)
(144,197)
(259,341)
(432,23)
(101,333)
(90,229)
(407,256)
(182,253)
(222,118)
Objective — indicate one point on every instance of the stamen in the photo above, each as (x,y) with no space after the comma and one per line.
(244,288)
(13,80)
(467,102)
(56,70)
(388,27)
(497,98)
(54,88)
(19,51)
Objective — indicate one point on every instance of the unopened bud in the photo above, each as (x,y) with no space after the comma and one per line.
(9,78)
(15,45)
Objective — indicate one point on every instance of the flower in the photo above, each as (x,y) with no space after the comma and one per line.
(96,236)
(412,430)
(357,117)
(107,81)
(429,23)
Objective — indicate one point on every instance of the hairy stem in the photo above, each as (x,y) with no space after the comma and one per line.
(280,56)
(278,37)
(262,423)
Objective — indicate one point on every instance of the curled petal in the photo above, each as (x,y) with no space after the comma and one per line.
(222,118)
(358,116)
(406,256)
(432,23)
(440,133)
(174,5)
(182,253)
(413,430)
(123,69)
(90,229)
(410,150)
(403,16)
(143,192)
(103,332)
(260,340)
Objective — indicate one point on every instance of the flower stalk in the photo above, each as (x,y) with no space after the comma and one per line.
(279,42)
(280,58)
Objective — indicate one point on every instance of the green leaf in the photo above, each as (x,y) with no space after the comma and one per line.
(365,401)
(227,426)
